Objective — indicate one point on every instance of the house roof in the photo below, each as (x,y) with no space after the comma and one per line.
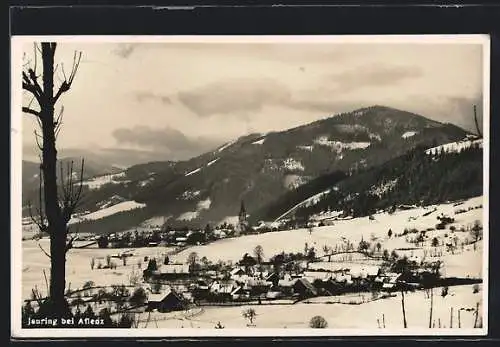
(236,270)
(174,268)
(307,285)
(152,297)
(236,290)
(271,275)
(286,283)
(321,275)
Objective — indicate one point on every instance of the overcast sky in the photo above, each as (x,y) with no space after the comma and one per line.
(177,100)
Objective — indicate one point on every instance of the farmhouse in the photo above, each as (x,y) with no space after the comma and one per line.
(304,288)
(171,271)
(166,302)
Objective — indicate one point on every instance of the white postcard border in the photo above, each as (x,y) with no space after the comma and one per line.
(16,174)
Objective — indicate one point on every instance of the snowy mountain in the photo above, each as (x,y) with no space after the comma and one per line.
(259,168)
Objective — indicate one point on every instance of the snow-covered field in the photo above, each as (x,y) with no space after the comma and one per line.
(78,269)
(98,182)
(108,211)
(339,316)
(466,262)
(463,263)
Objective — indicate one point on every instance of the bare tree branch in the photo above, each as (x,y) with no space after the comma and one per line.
(71,195)
(43,250)
(477,123)
(26,109)
(69,244)
(66,84)
(37,137)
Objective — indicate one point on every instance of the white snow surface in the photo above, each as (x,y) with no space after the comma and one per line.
(212,162)
(338,315)
(340,146)
(294,181)
(306,203)
(193,172)
(461,264)
(187,216)
(188,195)
(383,188)
(226,145)
(204,204)
(292,164)
(306,148)
(98,182)
(108,211)
(408,134)
(259,142)
(190,215)
(455,146)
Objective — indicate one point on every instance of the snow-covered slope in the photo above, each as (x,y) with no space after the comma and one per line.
(455,146)
(108,211)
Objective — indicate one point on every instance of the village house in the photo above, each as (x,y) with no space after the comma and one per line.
(237,274)
(239,293)
(286,285)
(171,271)
(223,288)
(304,289)
(166,302)
(181,241)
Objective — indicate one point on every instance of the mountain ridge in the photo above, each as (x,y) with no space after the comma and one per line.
(256,168)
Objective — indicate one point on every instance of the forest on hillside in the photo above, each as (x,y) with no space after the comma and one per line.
(415,178)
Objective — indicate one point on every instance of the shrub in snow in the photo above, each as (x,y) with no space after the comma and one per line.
(138,297)
(444,291)
(475,288)
(249,314)
(318,322)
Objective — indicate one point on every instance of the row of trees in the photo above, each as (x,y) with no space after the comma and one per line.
(417,178)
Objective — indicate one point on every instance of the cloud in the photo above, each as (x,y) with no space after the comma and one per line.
(234,95)
(460,111)
(373,75)
(144,96)
(125,50)
(169,141)
(251,95)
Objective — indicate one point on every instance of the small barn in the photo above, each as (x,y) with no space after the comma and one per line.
(172,271)
(166,302)
(304,288)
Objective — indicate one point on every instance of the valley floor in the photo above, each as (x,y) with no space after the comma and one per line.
(338,316)
(464,262)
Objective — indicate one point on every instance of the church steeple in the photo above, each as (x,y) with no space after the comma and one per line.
(243,213)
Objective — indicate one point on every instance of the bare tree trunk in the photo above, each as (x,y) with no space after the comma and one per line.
(477,315)
(432,303)
(451,317)
(403,308)
(57,212)
(56,225)
(459,322)
(477,123)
